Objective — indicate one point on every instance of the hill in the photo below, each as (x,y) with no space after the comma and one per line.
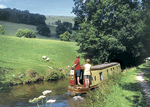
(21,54)
(11,28)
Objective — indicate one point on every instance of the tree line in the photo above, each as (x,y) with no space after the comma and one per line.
(113,30)
(18,16)
(25,17)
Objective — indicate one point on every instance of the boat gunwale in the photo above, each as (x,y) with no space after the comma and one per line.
(103,66)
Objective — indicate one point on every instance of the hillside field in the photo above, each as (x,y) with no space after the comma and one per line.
(11,28)
(21,54)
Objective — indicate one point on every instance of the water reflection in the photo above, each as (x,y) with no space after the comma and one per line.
(19,96)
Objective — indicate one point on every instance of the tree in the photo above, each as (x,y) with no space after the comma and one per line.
(43,30)
(65,36)
(58,22)
(63,27)
(111,28)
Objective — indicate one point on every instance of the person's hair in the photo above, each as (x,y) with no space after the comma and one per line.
(88,60)
(78,56)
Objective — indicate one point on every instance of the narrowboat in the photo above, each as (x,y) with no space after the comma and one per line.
(98,74)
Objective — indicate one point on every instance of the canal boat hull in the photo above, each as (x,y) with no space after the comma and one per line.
(78,89)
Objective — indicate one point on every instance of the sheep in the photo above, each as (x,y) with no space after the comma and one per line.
(44,57)
(47,59)
(50,67)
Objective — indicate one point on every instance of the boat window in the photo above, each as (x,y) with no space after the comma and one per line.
(95,78)
(111,70)
(107,72)
(101,76)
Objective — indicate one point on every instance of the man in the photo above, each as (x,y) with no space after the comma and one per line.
(87,72)
(77,68)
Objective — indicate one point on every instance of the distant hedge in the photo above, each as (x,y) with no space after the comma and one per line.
(2,30)
(25,33)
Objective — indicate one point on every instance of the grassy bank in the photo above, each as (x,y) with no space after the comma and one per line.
(121,90)
(24,56)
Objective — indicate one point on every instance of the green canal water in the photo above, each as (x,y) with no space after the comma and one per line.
(19,95)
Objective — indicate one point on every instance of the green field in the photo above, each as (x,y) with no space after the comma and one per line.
(21,54)
(11,28)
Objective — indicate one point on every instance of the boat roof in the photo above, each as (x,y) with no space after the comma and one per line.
(102,66)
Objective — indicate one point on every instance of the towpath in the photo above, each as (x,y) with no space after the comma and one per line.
(145,86)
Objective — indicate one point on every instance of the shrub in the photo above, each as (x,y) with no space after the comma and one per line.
(65,36)
(26,33)
(20,33)
(52,74)
(2,31)
(29,34)
(31,73)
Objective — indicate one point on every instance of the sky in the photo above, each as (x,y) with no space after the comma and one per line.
(44,7)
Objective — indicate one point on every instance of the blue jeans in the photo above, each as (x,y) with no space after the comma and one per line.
(87,76)
(78,73)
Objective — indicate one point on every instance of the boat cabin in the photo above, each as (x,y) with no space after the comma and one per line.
(98,74)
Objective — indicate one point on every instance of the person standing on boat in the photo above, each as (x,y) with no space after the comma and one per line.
(87,68)
(77,68)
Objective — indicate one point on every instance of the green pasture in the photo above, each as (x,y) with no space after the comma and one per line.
(50,19)
(122,90)
(21,54)
(11,29)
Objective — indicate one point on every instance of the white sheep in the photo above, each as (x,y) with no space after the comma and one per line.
(44,57)
(50,67)
(47,59)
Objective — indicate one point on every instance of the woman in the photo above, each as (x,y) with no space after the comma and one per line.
(87,73)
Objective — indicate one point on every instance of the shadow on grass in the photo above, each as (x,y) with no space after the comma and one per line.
(136,100)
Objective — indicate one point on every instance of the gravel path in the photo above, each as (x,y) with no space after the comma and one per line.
(144,85)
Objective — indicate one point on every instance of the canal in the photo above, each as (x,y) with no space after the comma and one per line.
(20,95)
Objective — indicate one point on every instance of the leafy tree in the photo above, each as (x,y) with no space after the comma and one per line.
(111,28)
(63,27)
(60,29)
(58,22)
(43,30)
(2,30)
(25,33)
(65,36)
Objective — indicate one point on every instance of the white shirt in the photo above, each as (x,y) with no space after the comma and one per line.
(87,69)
